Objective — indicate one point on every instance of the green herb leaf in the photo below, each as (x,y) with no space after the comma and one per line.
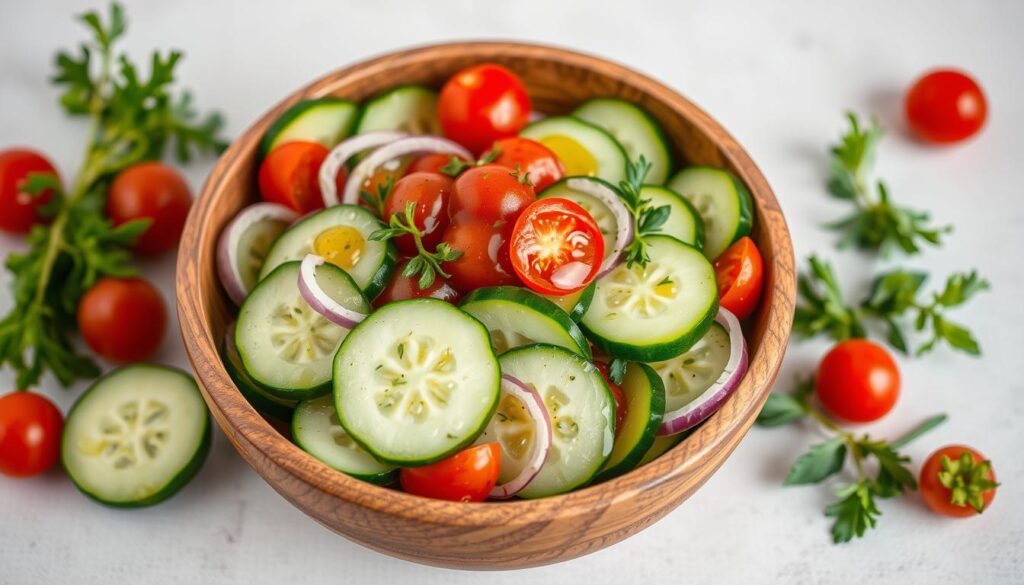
(855,511)
(894,478)
(617,370)
(427,264)
(824,310)
(823,460)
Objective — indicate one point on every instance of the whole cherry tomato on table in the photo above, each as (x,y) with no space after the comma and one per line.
(154,191)
(945,106)
(467,476)
(30,427)
(490,193)
(621,408)
(481,104)
(532,158)
(402,287)
(430,193)
(431,163)
(740,275)
(289,175)
(957,481)
(857,381)
(123,319)
(485,257)
(556,247)
(19,210)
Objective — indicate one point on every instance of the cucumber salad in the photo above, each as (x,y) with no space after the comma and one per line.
(447,291)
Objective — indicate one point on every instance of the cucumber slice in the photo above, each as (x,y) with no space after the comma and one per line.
(315,428)
(515,317)
(582,413)
(583,148)
(324,120)
(722,201)
(656,312)
(636,130)
(684,223)
(645,397)
(687,376)
(416,381)
(603,216)
(660,446)
(136,436)
(263,401)
(286,346)
(372,266)
(577,303)
(407,108)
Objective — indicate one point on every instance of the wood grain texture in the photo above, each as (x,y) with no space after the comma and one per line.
(490,535)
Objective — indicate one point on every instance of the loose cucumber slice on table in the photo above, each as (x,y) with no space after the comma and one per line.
(315,428)
(645,395)
(602,215)
(407,108)
(688,375)
(324,120)
(583,148)
(655,312)
(582,413)
(515,317)
(636,130)
(575,304)
(341,234)
(683,223)
(286,346)
(136,436)
(263,401)
(722,201)
(416,381)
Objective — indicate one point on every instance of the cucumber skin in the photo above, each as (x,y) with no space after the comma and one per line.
(671,440)
(622,151)
(745,222)
(177,482)
(655,125)
(383,479)
(252,392)
(583,303)
(698,221)
(357,121)
(289,116)
(655,413)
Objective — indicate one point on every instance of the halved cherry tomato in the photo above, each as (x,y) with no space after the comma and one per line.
(430,163)
(154,191)
(537,161)
(945,106)
(467,476)
(288,176)
(858,381)
(490,193)
(431,193)
(123,319)
(971,477)
(19,211)
(485,260)
(621,408)
(30,427)
(481,104)
(402,287)
(740,275)
(556,247)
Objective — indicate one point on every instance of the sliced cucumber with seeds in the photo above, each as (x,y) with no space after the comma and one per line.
(687,376)
(416,381)
(603,216)
(136,436)
(515,317)
(722,201)
(654,312)
(263,401)
(315,428)
(645,397)
(407,108)
(636,130)
(683,223)
(286,346)
(582,413)
(583,148)
(368,262)
(324,120)
(577,303)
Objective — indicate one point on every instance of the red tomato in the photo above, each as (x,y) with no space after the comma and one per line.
(490,193)
(621,408)
(431,193)
(123,319)
(431,163)
(939,497)
(401,287)
(945,106)
(740,275)
(288,176)
(484,260)
(467,476)
(531,157)
(30,427)
(481,104)
(556,247)
(858,381)
(19,211)
(155,191)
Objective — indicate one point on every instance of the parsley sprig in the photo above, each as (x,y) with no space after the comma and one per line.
(426,263)
(456,166)
(647,220)
(132,118)
(877,224)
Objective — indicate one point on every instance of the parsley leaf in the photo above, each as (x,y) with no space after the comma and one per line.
(781,409)
(427,264)
(855,511)
(647,220)
(823,460)
(824,310)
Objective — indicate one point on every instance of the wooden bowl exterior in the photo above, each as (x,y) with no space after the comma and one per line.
(490,535)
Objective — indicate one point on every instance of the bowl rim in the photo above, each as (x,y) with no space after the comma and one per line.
(683,459)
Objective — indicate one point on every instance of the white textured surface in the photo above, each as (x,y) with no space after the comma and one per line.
(778,75)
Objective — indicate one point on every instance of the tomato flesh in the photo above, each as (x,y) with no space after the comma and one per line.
(939,497)
(402,287)
(556,247)
(858,381)
(30,427)
(19,210)
(621,407)
(485,257)
(123,319)
(430,193)
(467,476)
(153,191)
(289,176)
(945,106)
(538,162)
(740,275)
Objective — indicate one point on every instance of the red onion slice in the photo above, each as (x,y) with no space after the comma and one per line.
(537,412)
(623,218)
(340,155)
(319,300)
(237,278)
(711,399)
(393,150)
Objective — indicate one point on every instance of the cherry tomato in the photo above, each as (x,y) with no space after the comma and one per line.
(30,427)
(740,275)
(484,260)
(19,211)
(402,287)
(945,106)
(858,381)
(467,476)
(431,193)
(123,319)
(154,191)
(976,480)
(537,161)
(288,175)
(621,408)
(430,163)
(556,247)
(490,193)
(481,104)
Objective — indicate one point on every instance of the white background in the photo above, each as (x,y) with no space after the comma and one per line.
(778,75)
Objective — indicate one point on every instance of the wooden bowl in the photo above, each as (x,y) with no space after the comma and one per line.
(489,535)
